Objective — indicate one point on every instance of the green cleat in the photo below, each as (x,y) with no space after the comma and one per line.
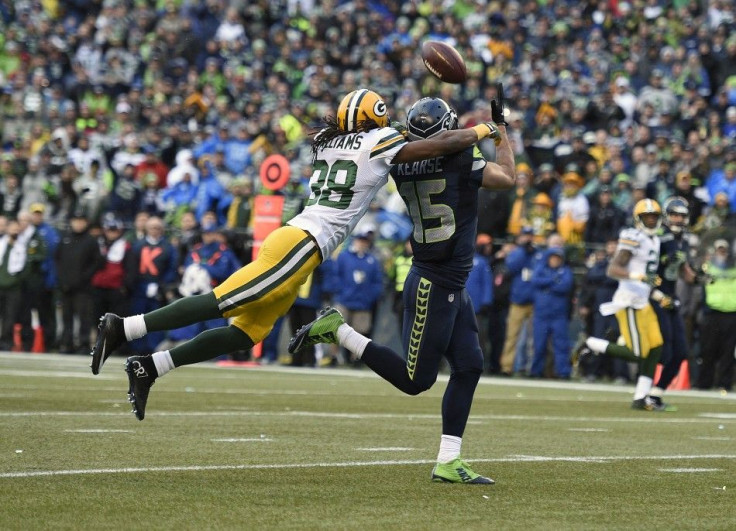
(322,330)
(659,405)
(458,471)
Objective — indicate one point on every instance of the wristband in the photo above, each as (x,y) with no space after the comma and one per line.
(482,130)
(636,276)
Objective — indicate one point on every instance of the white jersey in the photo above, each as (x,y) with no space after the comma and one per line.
(644,251)
(348,173)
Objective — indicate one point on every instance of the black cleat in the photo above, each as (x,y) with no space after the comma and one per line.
(141,376)
(580,353)
(110,336)
(642,404)
(657,404)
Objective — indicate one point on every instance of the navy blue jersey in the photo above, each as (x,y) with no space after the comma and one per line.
(673,252)
(442,197)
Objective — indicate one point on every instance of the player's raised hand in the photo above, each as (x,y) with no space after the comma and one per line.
(497,106)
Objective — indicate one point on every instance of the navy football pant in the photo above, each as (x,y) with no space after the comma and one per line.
(437,322)
(674,349)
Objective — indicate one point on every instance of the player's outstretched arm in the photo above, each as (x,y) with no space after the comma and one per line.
(619,266)
(445,143)
(501,175)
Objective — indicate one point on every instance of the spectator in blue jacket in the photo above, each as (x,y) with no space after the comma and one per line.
(45,297)
(357,283)
(520,264)
(150,273)
(480,289)
(553,285)
(219,262)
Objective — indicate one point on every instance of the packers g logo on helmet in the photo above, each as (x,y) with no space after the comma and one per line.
(644,207)
(361,105)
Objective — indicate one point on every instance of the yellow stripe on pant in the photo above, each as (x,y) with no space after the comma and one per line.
(640,329)
(262,291)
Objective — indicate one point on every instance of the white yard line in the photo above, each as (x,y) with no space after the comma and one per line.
(78,367)
(645,418)
(348,464)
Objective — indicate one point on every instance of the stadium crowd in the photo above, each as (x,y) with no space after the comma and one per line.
(133,132)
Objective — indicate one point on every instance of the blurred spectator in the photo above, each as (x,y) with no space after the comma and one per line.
(311,298)
(12,265)
(520,263)
(44,295)
(77,259)
(521,199)
(397,275)
(606,219)
(110,291)
(552,283)
(573,209)
(357,283)
(498,314)
(149,276)
(718,326)
(33,275)
(541,217)
(480,289)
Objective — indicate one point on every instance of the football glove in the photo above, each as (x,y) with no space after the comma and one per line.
(667,303)
(497,106)
(495,133)
(401,128)
(653,279)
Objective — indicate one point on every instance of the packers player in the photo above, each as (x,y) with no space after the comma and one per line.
(441,194)
(352,158)
(635,267)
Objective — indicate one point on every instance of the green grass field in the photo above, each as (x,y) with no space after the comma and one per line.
(225,448)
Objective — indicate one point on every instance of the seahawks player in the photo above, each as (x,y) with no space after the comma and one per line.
(673,254)
(352,158)
(635,267)
(441,194)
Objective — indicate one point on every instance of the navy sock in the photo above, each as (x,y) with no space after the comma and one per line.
(457,401)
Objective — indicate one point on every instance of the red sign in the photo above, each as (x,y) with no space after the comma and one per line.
(275,172)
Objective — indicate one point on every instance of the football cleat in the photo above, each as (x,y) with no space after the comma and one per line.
(141,376)
(361,106)
(580,353)
(642,404)
(110,336)
(657,404)
(458,471)
(322,330)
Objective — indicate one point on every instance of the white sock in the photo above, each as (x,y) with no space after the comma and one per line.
(352,340)
(449,448)
(163,362)
(597,344)
(656,391)
(643,386)
(134,327)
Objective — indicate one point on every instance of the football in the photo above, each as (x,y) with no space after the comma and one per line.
(444,62)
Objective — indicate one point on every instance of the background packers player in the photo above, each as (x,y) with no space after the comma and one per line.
(635,267)
(441,195)
(352,158)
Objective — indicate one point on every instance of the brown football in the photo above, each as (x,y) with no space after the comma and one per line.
(444,61)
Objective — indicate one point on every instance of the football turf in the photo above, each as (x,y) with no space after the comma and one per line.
(231,448)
